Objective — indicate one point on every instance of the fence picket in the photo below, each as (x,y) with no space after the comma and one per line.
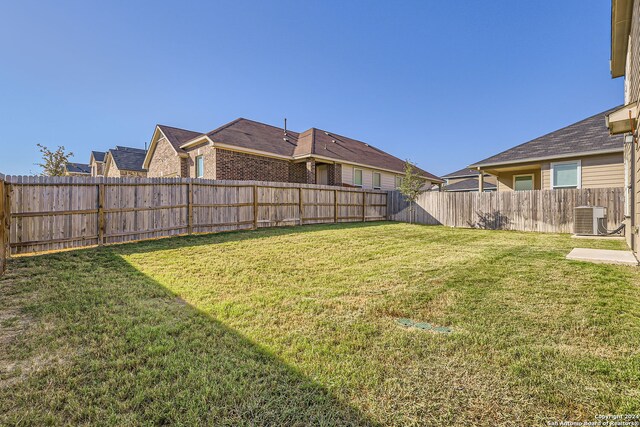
(549,211)
(51,213)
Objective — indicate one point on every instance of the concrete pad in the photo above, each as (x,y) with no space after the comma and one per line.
(574,236)
(603,256)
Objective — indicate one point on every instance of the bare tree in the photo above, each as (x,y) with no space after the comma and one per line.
(53,162)
(412,186)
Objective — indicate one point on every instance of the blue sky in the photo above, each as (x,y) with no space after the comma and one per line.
(441,83)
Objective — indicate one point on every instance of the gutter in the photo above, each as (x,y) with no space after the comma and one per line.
(621,15)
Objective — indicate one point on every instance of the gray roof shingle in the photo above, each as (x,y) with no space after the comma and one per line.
(177,136)
(585,136)
(272,139)
(77,168)
(98,155)
(256,136)
(462,173)
(470,184)
(127,158)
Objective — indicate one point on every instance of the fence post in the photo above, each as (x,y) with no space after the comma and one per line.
(5,218)
(386,208)
(8,189)
(300,206)
(335,206)
(101,214)
(364,206)
(190,207)
(255,207)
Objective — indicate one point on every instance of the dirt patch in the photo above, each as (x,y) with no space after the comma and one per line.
(14,372)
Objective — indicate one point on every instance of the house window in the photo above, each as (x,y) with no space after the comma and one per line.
(357,177)
(565,174)
(398,181)
(199,166)
(523,182)
(376,180)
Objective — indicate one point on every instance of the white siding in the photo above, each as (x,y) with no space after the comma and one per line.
(387,179)
(347,174)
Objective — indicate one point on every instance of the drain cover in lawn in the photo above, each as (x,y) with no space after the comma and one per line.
(408,323)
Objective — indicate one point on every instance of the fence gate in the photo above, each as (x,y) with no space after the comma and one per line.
(4,224)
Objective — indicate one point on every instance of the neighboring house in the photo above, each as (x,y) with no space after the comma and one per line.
(625,61)
(581,155)
(248,150)
(77,169)
(122,162)
(468,180)
(96,163)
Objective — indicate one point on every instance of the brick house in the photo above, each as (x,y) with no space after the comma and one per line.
(123,162)
(248,150)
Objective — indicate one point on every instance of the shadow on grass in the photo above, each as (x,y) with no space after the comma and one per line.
(141,355)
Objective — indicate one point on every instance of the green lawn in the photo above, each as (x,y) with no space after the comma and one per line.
(297,326)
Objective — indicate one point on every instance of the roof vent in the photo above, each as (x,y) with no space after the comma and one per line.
(285,127)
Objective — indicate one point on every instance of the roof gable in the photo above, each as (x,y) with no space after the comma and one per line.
(97,156)
(583,137)
(128,158)
(177,136)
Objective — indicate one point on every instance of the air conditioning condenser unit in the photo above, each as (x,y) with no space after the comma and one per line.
(590,220)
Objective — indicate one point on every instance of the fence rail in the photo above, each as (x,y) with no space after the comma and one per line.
(52,213)
(538,210)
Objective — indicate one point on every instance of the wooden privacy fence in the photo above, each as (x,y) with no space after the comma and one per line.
(51,213)
(538,210)
(4,223)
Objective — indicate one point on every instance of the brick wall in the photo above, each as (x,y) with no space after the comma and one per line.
(184,167)
(208,154)
(311,171)
(303,172)
(133,174)
(111,171)
(164,161)
(243,166)
(114,172)
(335,174)
(226,164)
(98,167)
(298,172)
